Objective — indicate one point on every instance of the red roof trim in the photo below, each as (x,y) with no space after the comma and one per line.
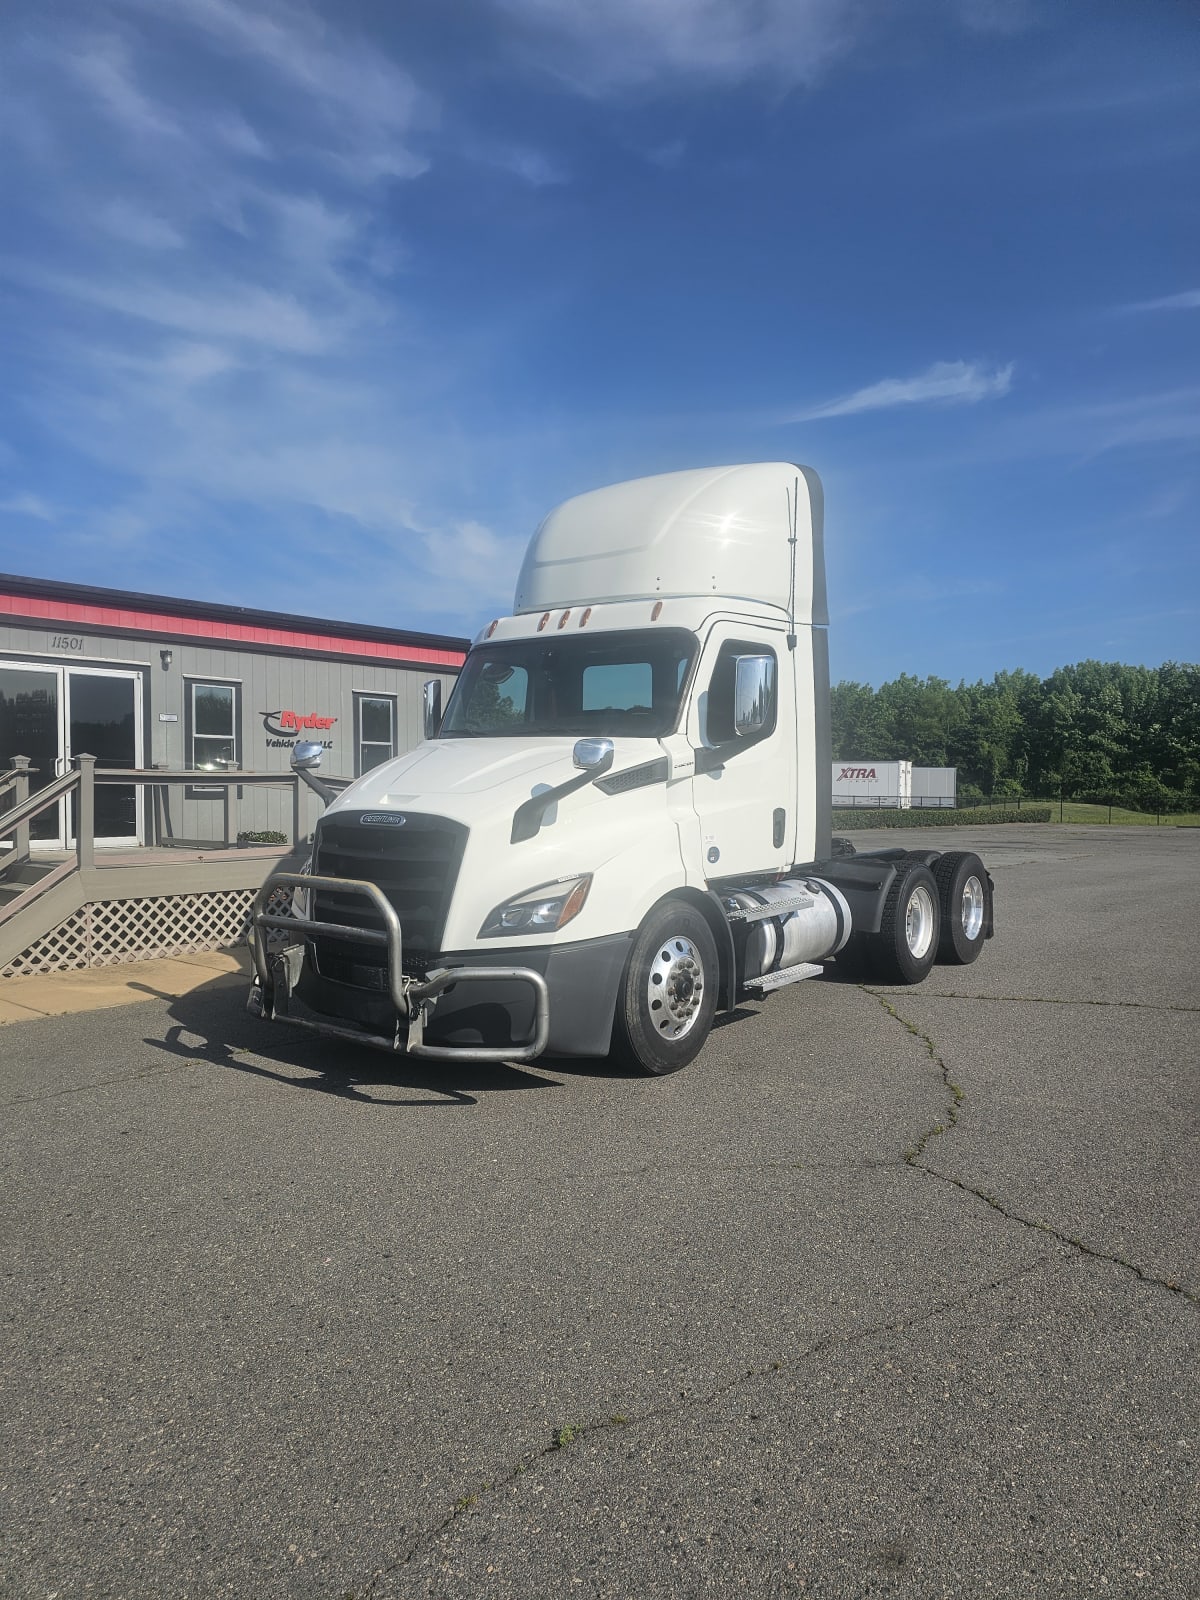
(239,633)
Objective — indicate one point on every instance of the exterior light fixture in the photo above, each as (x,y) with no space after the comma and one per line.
(166,657)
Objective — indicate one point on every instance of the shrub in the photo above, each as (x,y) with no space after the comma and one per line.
(850,821)
(1143,792)
(263,836)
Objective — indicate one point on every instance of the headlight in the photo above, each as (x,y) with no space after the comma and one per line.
(542,910)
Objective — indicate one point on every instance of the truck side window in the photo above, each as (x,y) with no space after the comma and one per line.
(719,701)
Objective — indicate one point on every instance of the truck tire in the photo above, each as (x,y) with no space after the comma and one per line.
(906,946)
(965,900)
(668,995)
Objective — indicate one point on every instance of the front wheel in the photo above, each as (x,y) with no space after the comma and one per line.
(668,996)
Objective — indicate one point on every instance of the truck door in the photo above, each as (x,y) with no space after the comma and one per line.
(744,790)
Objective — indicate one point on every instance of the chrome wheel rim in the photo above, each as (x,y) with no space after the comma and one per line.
(675,988)
(972,908)
(919,922)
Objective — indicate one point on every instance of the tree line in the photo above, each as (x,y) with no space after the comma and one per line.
(1093,731)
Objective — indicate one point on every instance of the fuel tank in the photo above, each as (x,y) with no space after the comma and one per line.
(778,925)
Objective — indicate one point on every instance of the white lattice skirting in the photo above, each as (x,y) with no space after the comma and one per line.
(112,931)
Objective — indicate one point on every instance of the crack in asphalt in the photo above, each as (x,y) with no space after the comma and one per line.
(222,1055)
(1055,1000)
(97,1083)
(913,1157)
(569,1434)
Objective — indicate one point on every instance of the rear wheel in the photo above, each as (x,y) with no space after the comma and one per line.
(965,898)
(904,949)
(668,996)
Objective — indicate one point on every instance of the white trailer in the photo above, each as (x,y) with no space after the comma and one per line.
(878,785)
(935,787)
(622,821)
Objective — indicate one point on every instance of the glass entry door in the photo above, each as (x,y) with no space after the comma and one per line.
(53,714)
(31,725)
(103,719)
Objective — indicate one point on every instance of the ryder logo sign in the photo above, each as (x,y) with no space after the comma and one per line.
(856,775)
(284,728)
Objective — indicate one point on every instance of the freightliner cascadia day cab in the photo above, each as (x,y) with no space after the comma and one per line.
(621,824)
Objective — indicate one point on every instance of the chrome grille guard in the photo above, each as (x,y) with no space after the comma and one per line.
(276,976)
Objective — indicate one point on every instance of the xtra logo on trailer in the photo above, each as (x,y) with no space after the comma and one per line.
(285,727)
(851,774)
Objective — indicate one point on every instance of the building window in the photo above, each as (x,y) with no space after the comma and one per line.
(374,730)
(213,724)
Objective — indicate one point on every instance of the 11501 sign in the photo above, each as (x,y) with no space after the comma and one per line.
(66,641)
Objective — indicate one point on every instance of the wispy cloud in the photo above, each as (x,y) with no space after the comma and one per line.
(1169,416)
(102,65)
(995,16)
(615,44)
(944,383)
(603,46)
(1189,300)
(135,225)
(231,309)
(532,166)
(27,505)
(215,332)
(1158,421)
(356,103)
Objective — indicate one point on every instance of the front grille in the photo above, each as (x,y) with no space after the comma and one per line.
(415,864)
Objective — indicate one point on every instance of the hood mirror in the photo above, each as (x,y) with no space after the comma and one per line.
(589,755)
(306,756)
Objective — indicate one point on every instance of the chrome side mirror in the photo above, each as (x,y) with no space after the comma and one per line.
(589,755)
(306,756)
(431,708)
(753,694)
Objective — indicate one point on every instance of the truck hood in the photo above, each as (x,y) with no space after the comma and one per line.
(480,783)
(465,778)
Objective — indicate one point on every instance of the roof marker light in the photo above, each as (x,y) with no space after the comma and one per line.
(562,621)
(657,612)
(492,626)
(583,619)
(544,621)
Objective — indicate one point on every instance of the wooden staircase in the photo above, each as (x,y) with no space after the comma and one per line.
(17,877)
(89,906)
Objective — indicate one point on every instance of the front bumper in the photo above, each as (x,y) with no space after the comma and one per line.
(556,998)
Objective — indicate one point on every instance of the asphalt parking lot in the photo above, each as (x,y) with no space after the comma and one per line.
(891,1292)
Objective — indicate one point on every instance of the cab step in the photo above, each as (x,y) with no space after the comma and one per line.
(785,975)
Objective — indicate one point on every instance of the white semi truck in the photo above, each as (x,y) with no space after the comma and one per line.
(621,823)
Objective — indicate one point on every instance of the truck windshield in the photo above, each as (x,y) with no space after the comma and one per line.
(609,683)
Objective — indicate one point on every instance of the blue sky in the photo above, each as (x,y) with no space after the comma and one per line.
(320,308)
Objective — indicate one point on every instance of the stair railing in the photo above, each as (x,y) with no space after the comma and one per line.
(16,819)
(16,781)
(81,783)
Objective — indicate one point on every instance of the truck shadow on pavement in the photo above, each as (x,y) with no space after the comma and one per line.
(211,1026)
